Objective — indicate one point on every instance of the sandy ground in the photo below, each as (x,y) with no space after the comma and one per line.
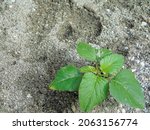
(37,37)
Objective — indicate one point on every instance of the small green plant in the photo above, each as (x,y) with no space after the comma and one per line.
(94,83)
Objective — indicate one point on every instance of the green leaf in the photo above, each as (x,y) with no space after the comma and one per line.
(85,69)
(112,63)
(126,89)
(92,91)
(67,78)
(86,51)
(101,53)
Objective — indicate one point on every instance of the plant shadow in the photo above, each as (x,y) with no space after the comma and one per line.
(36,81)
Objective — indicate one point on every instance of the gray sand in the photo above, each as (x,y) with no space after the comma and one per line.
(37,37)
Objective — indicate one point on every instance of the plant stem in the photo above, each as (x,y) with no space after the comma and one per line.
(98,70)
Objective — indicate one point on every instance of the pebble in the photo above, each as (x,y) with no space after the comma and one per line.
(138,110)
(29,96)
(73,108)
(138,61)
(132,59)
(13,1)
(120,105)
(10,6)
(123,111)
(118,111)
(126,48)
(21,61)
(143,24)
(142,64)
(108,10)
(133,70)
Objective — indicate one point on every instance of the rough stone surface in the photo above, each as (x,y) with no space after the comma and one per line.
(37,37)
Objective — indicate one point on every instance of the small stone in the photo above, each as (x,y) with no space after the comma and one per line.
(118,111)
(108,10)
(123,111)
(133,70)
(13,1)
(126,48)
(6,72)
(143,24)
(21,61)
(138,110)
(142,64)
(29,96)
(138,61)
(10,6)
(73,108)
(120,105)
(132,59)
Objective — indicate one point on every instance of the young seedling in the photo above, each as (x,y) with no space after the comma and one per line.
(95,83)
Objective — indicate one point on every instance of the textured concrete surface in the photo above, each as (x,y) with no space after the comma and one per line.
(37,37)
